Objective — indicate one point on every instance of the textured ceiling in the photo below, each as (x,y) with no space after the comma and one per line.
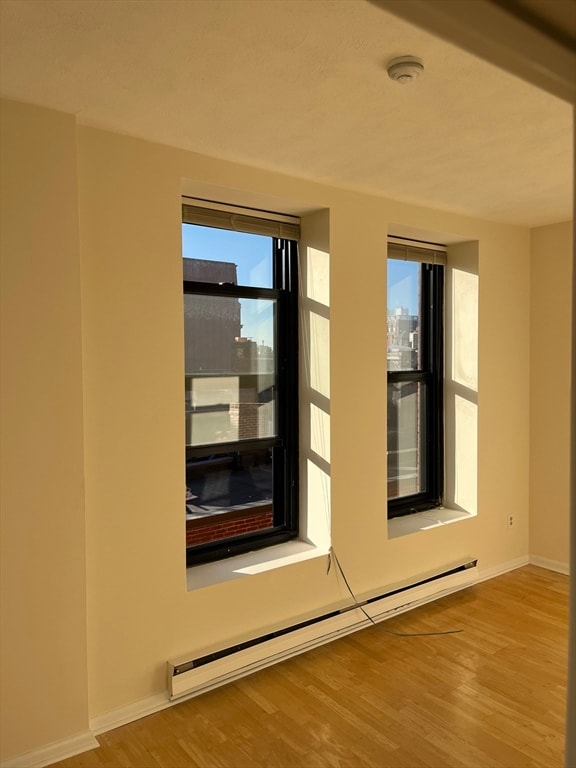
(299,86)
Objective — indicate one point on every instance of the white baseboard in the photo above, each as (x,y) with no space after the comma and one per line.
(497,570)
(123,715)
(52,753)
(550,565)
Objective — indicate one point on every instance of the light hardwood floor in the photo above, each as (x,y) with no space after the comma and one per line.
(490,696)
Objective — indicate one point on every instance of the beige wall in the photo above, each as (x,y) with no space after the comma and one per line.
(139,613)
(44,693)
(550,324)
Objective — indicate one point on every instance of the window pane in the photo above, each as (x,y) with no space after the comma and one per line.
(406,418)
(228,495)
(230,377)
(403,353)
(219,256)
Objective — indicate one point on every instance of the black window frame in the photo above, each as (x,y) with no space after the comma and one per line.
(284,445)
(431,373)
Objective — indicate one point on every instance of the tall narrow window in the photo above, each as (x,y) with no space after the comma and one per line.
(415,377)
(241,381)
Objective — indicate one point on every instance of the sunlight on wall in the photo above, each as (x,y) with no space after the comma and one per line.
(465,328)
(318,276)
(464,492)
(318,503)
(315,378)
(461,382)
(319,352)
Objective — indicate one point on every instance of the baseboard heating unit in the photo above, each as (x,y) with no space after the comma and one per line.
(192,676)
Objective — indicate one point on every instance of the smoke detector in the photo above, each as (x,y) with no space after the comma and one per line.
(405,69)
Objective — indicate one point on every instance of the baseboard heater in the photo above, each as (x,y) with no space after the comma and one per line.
(190,677)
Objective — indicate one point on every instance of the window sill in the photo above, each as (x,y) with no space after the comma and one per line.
(200,576)
(423,521)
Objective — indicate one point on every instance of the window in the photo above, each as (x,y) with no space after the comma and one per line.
(415,377)
(241,380)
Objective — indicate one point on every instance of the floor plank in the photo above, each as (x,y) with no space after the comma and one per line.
(491,696)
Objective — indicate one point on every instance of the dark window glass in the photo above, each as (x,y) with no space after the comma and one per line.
(229,481)
(406,447)
(231,386)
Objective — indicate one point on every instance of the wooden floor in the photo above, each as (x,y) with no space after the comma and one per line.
(492,695)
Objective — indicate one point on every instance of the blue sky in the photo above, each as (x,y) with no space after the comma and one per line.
(252,255)
(403,285)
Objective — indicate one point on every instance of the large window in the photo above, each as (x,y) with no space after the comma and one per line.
(415,377)
(241,381)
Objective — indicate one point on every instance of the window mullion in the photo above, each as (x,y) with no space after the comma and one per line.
(404,376)
(229,289)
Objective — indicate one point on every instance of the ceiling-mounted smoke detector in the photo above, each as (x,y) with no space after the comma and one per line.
(405,69)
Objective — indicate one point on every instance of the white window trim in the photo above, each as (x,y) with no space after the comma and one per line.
(425,521)
(251,563)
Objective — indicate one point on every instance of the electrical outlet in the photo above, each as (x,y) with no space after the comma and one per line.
(510,521)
